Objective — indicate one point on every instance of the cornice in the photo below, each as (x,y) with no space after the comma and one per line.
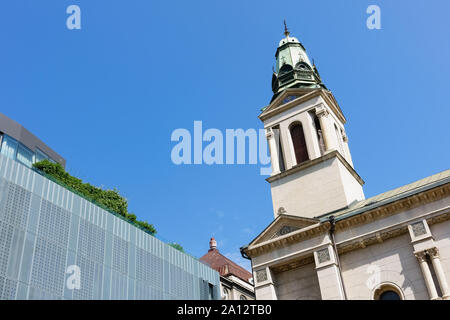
(279,108)
(294,264)
(313,162)
(363,241)
(290,238)
(286,218)
(395,207)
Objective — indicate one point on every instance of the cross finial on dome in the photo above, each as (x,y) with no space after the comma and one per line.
(286,31)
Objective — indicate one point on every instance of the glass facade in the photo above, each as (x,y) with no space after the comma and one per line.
(47,232)
(9,147)
(15,150)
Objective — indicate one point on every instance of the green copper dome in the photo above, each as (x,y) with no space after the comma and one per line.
(293,67)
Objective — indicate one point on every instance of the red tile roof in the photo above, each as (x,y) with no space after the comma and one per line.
(224,266)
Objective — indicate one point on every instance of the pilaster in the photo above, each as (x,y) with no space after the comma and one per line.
(328,274)
(264,284)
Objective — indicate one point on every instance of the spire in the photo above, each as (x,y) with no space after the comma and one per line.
(286,31)
(212,244)
(293,67)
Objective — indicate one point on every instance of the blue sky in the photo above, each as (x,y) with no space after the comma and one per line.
(107,97)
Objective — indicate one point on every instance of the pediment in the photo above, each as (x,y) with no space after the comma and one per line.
(282,225)
(286,97)
(294,96)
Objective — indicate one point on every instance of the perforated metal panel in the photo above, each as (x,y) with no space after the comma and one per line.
(54,223)
(6,234)
(149,269)
(40,238)
(48,270)
(8,289)
(91,277)
(120,255)
(91,241)
(15,211)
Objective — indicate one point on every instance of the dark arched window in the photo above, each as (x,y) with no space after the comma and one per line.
(388,292)
(299,143)
(389,295)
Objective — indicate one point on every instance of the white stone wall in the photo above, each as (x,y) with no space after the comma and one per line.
(353,190)
(316,190)
(391,261)
(298,284)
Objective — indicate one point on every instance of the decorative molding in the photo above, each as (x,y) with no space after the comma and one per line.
(321,111)
(261,275)
(409,202)
(400,205)
(269,134)
(284,230)
(277,105)
(313,162)
(294,264)
(323,255)
(418,229)
(433,253)
(421,256)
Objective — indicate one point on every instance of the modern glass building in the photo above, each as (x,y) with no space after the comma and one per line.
(49,236)
(17,143)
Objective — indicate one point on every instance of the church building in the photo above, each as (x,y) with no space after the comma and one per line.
(327,241)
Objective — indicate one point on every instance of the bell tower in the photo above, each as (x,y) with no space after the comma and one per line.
(312,169)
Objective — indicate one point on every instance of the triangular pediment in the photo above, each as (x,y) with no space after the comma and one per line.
(282,225)
(294,96)
(287,97)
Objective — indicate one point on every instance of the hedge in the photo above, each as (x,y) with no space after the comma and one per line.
(110,199)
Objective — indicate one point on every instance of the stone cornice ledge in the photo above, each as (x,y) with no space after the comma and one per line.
(387,232)
(363,240)
(325,94)
(310,163)
(292,237)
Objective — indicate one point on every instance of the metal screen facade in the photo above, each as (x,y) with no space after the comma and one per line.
(45,228)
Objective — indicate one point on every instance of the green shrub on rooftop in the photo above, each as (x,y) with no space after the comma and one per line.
(110,199)
(176,246)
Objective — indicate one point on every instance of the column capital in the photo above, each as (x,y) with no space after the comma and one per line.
(269,133)
(421,256)
(321,111)
(433,253)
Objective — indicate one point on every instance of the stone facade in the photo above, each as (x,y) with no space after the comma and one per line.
(335,243)
(376,249)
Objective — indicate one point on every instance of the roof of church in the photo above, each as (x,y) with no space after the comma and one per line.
(390,196)
(223,265)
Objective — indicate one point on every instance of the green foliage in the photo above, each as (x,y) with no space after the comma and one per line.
(176,246)
(131,217)
(145,225)
(110,199)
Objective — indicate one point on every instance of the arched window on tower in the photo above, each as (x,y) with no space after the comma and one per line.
(299,143)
